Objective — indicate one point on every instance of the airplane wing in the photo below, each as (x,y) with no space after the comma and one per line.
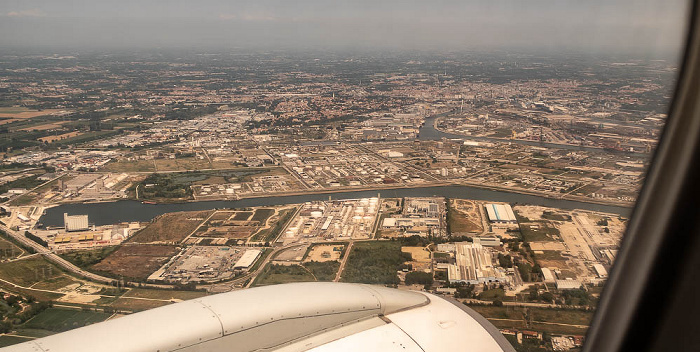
(315,317)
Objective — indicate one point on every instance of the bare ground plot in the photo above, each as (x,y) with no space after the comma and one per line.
(325,253)
(171,227)
(242,215)
(464,216)
(136,261)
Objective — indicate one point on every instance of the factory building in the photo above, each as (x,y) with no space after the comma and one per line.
(600,271)
(247,259)
(75,222)
(500,214)
(488,241)
(548,276)
(568,284)
(474,264)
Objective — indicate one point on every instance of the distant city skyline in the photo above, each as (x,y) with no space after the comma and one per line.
(644,28)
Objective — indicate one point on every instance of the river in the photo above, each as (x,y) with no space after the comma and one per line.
(129,210)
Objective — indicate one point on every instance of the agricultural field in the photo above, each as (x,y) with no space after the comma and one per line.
(60,319)
(20,113)
(135,261)
(171,227)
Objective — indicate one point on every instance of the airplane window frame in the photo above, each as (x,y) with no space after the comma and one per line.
(647,303)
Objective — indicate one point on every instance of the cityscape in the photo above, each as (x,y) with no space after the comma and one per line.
(131,181)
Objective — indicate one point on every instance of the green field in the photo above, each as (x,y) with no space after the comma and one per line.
(8,340)
(274,274)
(551,320)
(543,233)
(267,235)
(375,262)
(27,272)
(55,283)
(323,271)
(164,294)
(262,214)
(59,319)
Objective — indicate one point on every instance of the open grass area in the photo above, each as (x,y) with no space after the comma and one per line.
(9,340)
(552,320)
(136,305)
(274,274)
(55,283)
(549,255)
(262,214)
(323,271)
(27,272)
(171,227)
(269,234)
(164,294)
(374,262)
(9,250)
(60,319)
(492,294)
(130,166)
(33,332)
(538,231)
(84,259)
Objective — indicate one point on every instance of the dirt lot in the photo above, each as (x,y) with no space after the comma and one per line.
(465,216)
(136,261)
(170,228)
(325,253)
(420,255)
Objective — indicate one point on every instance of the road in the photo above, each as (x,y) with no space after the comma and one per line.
(66,265)
(343,262)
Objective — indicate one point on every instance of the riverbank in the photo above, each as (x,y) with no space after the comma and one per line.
(105,213)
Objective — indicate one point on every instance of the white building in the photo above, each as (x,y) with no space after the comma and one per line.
(568,284)
(500,214)
(488,241)
(474,264)
(247,259)
(75,222)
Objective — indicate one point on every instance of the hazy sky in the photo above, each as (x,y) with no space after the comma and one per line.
(640,26)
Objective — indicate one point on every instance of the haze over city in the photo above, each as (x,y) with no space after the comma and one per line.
(647,28)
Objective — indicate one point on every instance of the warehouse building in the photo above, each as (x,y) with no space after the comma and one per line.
(474,264)
(488,241)
(247,259)
(500,214)
(568,284)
